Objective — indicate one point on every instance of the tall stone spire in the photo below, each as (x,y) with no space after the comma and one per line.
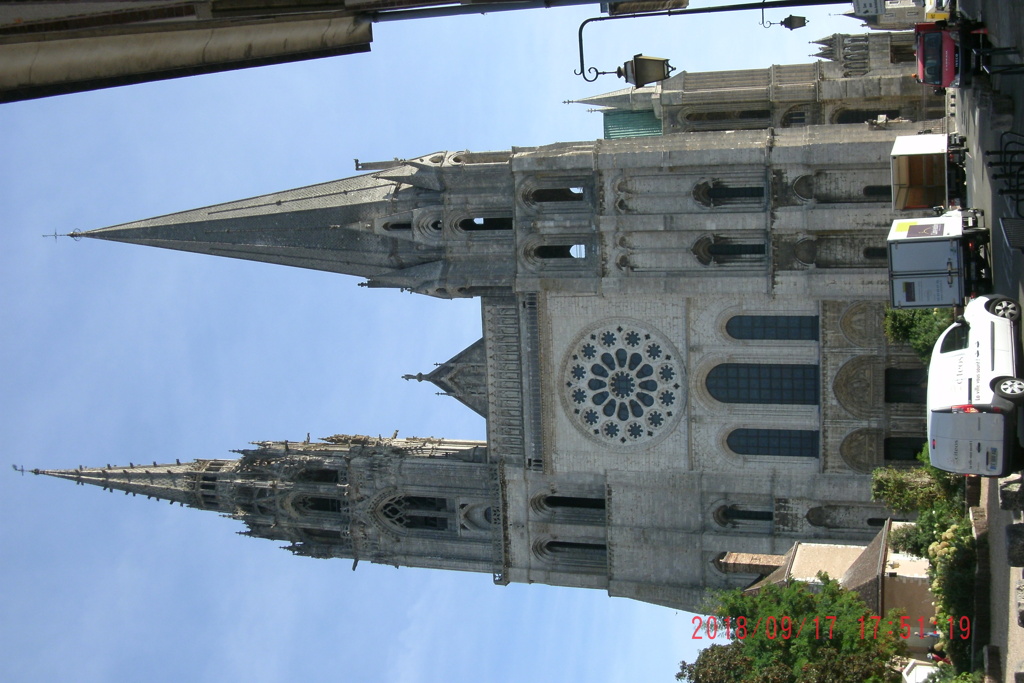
(423,502)
(414,225)
(165,482)
(324,227)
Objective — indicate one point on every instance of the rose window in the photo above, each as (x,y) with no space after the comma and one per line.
(624,384)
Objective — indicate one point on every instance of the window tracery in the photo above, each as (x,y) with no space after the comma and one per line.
(417,513)
(624,384)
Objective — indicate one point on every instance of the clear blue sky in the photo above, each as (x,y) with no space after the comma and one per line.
(113,353)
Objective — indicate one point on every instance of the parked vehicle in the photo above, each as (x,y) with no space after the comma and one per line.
(937,261)
(928,171)
(943,46)
(975,391)
(938,55)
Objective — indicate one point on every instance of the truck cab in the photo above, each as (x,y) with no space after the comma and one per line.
(938,55)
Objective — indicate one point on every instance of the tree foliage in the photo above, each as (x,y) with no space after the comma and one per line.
(789,636)
(913,489)
(920,328)
(904,489)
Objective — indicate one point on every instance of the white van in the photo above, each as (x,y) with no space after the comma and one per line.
(975,390)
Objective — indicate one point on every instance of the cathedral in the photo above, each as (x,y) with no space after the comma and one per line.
(682,365)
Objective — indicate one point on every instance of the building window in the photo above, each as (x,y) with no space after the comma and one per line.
(904,448)
(623,384)
(875,253)
(734,249)
(797,117)
(560,251)
(575,554)
(717,193)
(317,504)
(762,383)
(734,513)
(906,385)
(788,327)
(417,512)
(789,442)
(486,223)
(557,194)
(574,502)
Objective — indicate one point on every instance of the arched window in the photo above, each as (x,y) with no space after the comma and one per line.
(789,442)
(764,383)
(574,502)
(734,513)
(318,504)
(717,193)
(736,249)
(486,223)
(906,385)
(561,251)
(418,512)
(789,327)
(747,517)
(882,193)
(575,554)
(557,194)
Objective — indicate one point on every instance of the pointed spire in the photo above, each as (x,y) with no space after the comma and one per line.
(328,227)
(626,99)
(164,482)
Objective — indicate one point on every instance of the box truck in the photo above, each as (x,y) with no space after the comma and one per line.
(937,261)
(928,171)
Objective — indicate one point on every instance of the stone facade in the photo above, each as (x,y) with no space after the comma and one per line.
(681,358)
(859,78)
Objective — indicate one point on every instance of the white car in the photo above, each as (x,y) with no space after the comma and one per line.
(975,390)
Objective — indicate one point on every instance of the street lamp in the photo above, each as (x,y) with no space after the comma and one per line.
(791,22)
(642,70)
(639,71)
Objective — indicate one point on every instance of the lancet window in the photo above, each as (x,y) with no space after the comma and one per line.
(764,383)
(786,442)
(788,327)
(418,513)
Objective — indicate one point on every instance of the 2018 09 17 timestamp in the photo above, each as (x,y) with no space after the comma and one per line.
(825,627)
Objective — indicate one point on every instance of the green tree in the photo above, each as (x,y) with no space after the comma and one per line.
(905,489)
(789,634)
(920,328)
(913,489)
